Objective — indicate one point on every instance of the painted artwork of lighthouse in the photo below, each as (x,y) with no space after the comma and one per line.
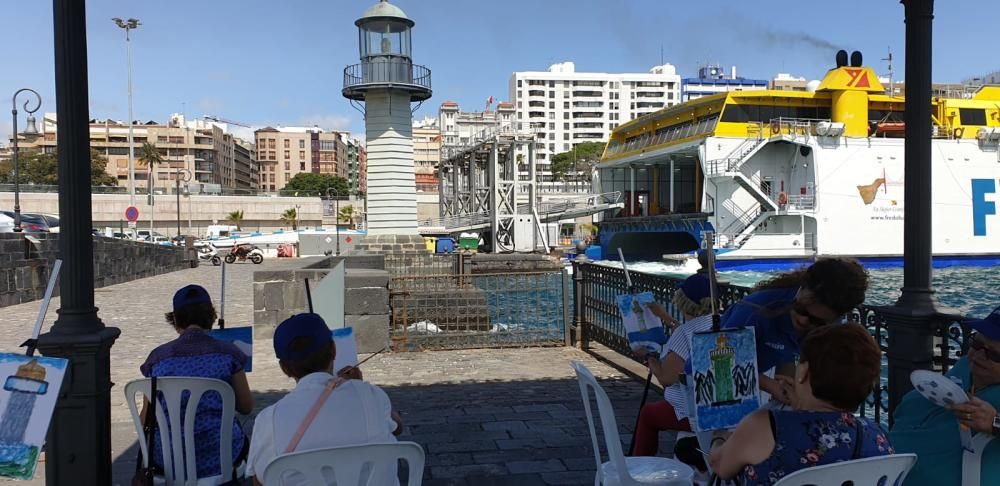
(724,368)
(31,386)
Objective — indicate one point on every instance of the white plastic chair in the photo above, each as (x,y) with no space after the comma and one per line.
(346,464)
(870,471)
(972,460)
(621,470)
(180,466)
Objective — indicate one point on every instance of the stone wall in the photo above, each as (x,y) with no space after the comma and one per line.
(280,294)
(482,263)
(25,260)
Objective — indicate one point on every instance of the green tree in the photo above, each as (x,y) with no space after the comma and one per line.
(42,168)
(577,163)
(291,217)
(308,183)
(150,157)
(346,215)
(235,217)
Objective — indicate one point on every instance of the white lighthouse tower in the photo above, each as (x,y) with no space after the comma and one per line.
(387,82)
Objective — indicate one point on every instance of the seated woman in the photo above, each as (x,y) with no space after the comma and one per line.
(196,354)
(838,368)
(322,410)
(693,299)
(933,433)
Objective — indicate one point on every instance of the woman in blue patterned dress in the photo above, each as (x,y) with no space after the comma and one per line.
(196,354)
(838,367)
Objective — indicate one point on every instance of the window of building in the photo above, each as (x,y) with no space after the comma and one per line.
(552,116)
(287,177)
(552,84)
(565,136)
(552,136)
(288,165)
(552,147)
(565,94)
(519,105)
(287,142)
(302,144)
(566,146)
(552,126)
(552,94)
(552,105)
(271,179)
(287,155)
(271,143)
(972,116)
(565,105)
(565,115)
(302,166)
(302,154)
(518,83)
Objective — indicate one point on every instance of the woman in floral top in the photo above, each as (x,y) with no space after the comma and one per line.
(838,367)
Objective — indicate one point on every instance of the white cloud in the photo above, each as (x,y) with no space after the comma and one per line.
(211,106)
(327,122)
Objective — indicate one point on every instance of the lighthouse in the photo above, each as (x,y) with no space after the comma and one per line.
(387,82)
(24,386)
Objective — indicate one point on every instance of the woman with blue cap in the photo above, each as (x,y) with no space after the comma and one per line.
(196,354)
(933,433)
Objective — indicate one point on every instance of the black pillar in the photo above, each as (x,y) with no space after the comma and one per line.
(79,439)
(915,316)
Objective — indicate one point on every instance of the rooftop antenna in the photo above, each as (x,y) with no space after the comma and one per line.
(661,54)
(889,60)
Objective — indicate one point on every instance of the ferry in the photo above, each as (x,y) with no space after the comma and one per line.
(783,177)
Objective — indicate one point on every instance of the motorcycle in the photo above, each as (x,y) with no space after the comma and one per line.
(244,252)
(209,253)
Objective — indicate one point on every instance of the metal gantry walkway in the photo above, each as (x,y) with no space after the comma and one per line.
(491,185)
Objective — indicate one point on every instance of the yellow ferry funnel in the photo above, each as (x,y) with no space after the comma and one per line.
(989,93)
(849,87)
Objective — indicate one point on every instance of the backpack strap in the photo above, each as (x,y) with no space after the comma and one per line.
(307,421)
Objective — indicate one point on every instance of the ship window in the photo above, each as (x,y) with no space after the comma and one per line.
(972,116)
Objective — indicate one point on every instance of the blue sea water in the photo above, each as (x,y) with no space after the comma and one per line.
(973,291)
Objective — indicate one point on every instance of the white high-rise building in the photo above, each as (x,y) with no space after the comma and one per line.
(565,107)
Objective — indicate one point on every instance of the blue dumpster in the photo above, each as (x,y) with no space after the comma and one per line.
(445,245)
(594,252)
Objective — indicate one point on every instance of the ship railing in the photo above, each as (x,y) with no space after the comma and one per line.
(802,202)
(794,127)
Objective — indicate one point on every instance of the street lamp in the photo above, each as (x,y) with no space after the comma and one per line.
(31,129)
(336,213)
(177,189)
(128,25)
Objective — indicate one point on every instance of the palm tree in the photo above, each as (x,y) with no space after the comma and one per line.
(151,157)
(291,216)
(235,217)
(346,214)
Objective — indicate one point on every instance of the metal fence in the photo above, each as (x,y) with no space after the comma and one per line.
(475,311)
(402,264)
(598,316)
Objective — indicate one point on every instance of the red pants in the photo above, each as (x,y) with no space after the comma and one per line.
(654,418)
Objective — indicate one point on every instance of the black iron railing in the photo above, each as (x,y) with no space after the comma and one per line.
(389,71)
(600,321)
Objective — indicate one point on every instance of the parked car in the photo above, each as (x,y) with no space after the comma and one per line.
(51,220)
(30,222)
(6,224)
(144,235)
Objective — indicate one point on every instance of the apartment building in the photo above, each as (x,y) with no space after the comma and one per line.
(713,79)
(284,152)
(246,174)
(357,166)
(565,107)
(787,82)
(426,153)
(203,148)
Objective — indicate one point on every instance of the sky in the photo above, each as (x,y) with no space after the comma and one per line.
(281,63)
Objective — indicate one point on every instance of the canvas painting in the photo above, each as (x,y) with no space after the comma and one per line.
(31,387)
(643,328)
(241,337)
(347,348)
(724,367)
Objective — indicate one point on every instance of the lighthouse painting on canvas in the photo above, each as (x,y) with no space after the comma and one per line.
(27,400)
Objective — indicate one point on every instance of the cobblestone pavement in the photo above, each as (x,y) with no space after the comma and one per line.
(483,416)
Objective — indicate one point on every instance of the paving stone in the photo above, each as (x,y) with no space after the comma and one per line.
(540,407)
(470,470)
(507,480)
(569,477)
(514,444)
(509,425)
(523,467)
(464,446)
(579,463)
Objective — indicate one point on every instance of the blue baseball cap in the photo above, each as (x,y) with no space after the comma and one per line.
(989,327)
(305,325)
(191,295)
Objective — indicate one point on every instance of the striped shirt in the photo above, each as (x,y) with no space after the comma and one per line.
(680,344)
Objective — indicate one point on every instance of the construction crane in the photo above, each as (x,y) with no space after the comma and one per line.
(223,120)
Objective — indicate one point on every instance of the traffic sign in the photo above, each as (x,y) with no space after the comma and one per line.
(132,214)
(131,224)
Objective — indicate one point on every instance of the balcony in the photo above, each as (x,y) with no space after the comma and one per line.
(592,94)
(536,92)
(588,125)
(587,114)
(387,73)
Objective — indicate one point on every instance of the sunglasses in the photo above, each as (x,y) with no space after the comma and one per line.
(978,345)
